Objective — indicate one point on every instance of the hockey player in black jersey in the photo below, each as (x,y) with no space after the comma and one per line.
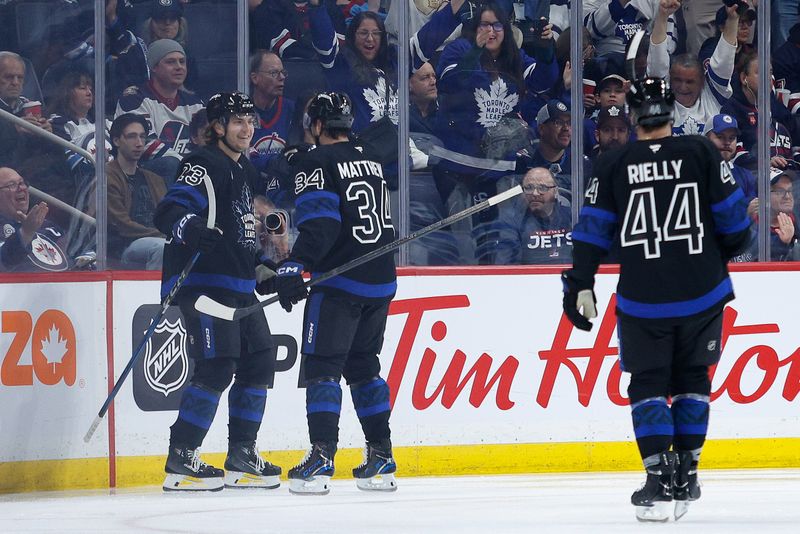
(679,217)
(342,212)
(226,269)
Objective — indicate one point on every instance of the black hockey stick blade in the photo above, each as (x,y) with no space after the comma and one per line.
(209,306)
(636,57)
(154,322)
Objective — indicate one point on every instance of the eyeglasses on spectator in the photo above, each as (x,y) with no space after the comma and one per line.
(496,26)
(13,186)
(538,188)
(276,73)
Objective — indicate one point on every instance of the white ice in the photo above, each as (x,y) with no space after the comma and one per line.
(733,501)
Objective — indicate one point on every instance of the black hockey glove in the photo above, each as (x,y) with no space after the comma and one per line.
(289,284)
(192,232)
(265,279)
(577,299)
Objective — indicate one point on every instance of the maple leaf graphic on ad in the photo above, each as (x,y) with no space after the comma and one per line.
(54,347)
(494,103)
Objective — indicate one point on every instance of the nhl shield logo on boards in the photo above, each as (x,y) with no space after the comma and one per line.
(166,363)
(163,371)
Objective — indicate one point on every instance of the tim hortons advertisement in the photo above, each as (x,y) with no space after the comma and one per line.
(52,369)
(490,359)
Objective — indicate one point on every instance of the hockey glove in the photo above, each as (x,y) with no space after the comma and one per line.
(579,304)
(289,284)
(191,230)
(265,280)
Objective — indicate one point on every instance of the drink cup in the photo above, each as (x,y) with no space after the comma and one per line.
(33,107)
(589,87)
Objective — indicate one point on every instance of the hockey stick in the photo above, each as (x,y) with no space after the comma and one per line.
(213,308)
(633,54)
(212,215)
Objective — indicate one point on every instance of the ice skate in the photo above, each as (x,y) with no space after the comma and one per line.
(686,488)
(245,468)
(653,501)
(376,472)
(312,476)
(187,472)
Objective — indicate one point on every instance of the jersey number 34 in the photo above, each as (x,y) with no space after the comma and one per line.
(643,226)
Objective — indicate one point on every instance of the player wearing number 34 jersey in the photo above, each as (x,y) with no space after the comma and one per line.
(679,216)
(342,212)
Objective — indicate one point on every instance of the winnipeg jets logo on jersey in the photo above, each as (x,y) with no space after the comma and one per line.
(192,174)
(243,213)
(376,98)
(494,103)
(46,254)
(269,144)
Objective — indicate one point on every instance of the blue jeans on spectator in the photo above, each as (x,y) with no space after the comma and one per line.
(166,167)
(530,8)
(145,251)
(784,15)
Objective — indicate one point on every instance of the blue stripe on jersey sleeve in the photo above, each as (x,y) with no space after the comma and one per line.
(730,214)
(317,204)
(187,196)
(684,308)
(596,226)
(360,289)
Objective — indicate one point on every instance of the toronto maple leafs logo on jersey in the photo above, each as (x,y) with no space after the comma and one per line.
(376,98)
(243,213)
(494,103)
(691,126)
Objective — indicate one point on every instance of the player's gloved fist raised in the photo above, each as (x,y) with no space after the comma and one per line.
(193,232)
(289,284)
(579,303)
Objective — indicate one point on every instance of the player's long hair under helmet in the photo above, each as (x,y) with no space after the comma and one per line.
(652,101)
(334,110)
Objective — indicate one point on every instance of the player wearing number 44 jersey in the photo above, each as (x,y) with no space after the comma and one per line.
(342,212)
(679,217)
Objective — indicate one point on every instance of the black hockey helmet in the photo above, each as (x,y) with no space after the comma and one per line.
(222,105)
(333,109)
(651,100)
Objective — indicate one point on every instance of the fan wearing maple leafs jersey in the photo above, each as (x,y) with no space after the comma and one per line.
(361,66)
(482,76)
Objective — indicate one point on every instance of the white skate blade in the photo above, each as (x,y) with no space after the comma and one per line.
(681,507)
(318,485)
(239,480)
(659,512)
(174,482)
(385,482)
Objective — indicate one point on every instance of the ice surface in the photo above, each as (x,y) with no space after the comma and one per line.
(762,501)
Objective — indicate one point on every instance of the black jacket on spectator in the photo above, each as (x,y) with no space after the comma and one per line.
(283,27)
(747,116)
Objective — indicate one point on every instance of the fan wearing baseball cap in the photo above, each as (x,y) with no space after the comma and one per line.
(723,131)
(555,137)
(783,227)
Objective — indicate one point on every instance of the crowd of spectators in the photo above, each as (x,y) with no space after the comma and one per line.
(489,105)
